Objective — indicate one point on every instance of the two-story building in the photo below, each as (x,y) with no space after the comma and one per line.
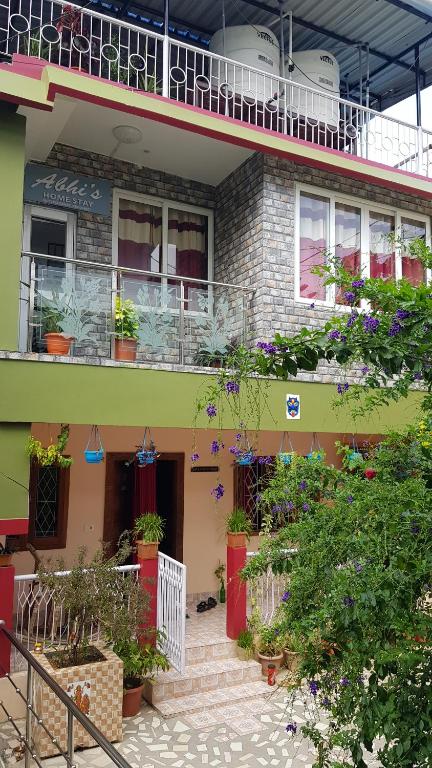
(197,160)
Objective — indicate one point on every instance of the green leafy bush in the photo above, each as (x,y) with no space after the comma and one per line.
(238,522)
(149,528)
(140,661)
(126,319)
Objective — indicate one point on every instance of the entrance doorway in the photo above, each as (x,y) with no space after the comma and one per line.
(119,499)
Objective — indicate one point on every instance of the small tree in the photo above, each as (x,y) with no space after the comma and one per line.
(92,593)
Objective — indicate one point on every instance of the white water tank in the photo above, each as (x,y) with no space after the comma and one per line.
(256,47)
(318,70)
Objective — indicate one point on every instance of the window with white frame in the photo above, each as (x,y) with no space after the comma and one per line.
(358,234)
(159,236)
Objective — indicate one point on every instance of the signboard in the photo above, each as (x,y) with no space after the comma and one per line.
(204,469)
(293,406)
(52,186)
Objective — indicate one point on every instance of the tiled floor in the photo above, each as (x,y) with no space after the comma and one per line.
(239,727)
(247,735)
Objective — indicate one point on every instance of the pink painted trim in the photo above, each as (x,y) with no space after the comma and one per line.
(14,527)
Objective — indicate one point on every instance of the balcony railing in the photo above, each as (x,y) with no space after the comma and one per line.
(99,45)
(180,320)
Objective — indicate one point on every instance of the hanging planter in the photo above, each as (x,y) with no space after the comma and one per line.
(284,456)
(94,451)
(354,457)
(316,453)
(53,454)
(245,458)
(146,453)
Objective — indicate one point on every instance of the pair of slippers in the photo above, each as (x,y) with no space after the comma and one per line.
(206,605)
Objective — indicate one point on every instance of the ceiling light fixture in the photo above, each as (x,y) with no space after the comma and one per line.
(125,134)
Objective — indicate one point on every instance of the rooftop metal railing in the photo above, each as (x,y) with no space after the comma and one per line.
(181,320)
(72,712)
(96,44)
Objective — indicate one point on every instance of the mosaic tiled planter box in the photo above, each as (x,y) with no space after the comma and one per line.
(96,688)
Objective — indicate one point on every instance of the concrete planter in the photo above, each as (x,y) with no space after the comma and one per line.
(147,550)
(236,540)
(96,688)
(266,660)
(292,660)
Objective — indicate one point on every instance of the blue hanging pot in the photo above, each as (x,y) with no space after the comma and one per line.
(94,455)
(146,457)
(284,456)
(245,459)
(146,453)
(315,453)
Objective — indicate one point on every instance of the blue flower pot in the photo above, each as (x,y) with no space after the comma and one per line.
(354,456)
(245,460)
(311,457)
(285,458)
(146,457)
(94,457)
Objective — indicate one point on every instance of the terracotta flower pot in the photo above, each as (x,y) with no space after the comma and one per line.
(132,701)
(147,550)
(57,343)
(125,349)
(266,660)
(5,560)
(291,660)
(236,540)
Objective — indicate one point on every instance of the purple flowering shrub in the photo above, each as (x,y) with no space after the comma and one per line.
(358,604)
(387,333)
(294,487)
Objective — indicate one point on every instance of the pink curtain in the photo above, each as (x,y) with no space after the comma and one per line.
(412,270)
(187,249)
(382,255)
(314,213)
(139,236)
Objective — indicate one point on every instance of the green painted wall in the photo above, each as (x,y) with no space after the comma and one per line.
(12,159)
(84,394)
(14,471)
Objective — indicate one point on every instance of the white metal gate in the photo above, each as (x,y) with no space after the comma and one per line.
(171,610)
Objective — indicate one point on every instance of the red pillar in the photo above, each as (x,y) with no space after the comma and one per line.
(236,592)
(148,575)
(7,576)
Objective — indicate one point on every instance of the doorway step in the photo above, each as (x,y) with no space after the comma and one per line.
(215,680)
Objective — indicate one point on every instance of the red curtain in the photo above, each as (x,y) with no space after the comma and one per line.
(144,490)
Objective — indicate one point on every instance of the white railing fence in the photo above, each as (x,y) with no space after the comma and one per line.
(264,592)
(171,610)
(39,619)
(99,45)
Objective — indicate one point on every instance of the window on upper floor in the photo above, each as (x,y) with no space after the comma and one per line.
(158,236)
(358,234)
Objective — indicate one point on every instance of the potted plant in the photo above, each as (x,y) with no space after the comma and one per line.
(269,648)
(140,662)
(100,601)
(125,330)
(245,645)
(148,532)
(239,528)
(146,453)
(5,555)
(53,454)
(57,342)
(219,573)
(291,653)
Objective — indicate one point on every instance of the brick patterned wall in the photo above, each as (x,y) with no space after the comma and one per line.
(254,228)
